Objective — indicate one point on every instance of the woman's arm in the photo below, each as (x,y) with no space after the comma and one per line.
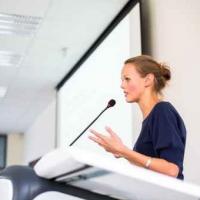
(114,145)
(155,164)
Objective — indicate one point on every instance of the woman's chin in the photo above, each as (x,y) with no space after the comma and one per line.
(129,100)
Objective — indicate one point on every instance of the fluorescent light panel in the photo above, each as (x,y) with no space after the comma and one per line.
(3,91)
(18,24)
(8,58)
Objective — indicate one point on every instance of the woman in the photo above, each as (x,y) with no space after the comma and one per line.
(161,143)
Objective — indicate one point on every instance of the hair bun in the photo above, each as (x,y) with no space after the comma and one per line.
(165,71)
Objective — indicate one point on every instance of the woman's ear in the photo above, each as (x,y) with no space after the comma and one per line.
(149,80)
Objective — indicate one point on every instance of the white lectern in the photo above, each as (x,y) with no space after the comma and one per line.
(112,177)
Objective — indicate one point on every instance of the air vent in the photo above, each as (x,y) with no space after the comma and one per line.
(18,24)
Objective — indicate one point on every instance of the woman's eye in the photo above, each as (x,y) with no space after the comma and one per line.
(127,79)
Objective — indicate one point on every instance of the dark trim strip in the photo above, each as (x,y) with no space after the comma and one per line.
(3,137)
(71,172)
(126,9)
(86,194)
(141,27)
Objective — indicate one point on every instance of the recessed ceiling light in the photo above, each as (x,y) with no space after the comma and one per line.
(18,24)
(8,58)
(3,91)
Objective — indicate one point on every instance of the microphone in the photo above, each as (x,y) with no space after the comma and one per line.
(110,104)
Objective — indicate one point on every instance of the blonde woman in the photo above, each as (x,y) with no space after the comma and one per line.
(161,144)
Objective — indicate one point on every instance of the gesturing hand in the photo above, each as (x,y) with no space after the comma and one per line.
(111,143)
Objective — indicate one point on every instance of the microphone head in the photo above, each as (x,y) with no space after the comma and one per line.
(111,103)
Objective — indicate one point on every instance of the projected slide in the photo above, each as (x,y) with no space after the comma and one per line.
(98,80)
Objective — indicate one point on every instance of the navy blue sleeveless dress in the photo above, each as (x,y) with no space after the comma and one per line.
(163,135)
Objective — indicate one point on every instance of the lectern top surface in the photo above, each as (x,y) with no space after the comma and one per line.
(120,178)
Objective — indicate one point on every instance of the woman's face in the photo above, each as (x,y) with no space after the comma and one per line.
(132,84)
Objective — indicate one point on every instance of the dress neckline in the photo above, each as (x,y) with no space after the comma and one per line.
(159,102)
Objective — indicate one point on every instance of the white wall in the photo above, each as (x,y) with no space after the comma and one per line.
(40,137)
(172,34)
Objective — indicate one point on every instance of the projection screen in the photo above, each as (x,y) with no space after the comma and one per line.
(85,94)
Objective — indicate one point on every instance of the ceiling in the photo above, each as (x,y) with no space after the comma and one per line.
(66,30)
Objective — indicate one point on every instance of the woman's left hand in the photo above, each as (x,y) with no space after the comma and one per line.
(111,143)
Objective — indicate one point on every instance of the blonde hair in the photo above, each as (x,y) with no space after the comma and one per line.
(147,65)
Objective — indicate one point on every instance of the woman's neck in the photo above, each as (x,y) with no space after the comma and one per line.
(147,103)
